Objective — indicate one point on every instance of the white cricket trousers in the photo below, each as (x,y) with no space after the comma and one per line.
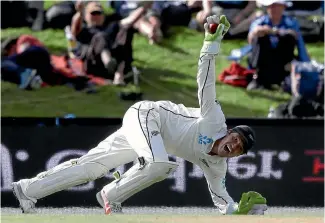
(138,138)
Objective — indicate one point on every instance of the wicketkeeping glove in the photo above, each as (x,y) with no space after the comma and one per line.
(212,40)
(251,203)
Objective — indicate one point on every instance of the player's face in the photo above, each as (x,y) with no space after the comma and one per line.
(231,145)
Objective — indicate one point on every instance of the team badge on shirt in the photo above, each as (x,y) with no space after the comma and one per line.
(204,140)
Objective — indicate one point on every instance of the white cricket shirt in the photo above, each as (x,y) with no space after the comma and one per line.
(189,133)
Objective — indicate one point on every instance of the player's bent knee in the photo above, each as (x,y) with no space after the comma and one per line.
(160,170)
(94,170)
(137,178)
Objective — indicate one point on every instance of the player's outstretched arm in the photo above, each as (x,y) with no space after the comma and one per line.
(217,188)
(215,29)
(251,203)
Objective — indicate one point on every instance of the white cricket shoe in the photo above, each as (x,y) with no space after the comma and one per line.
(26,204)
(109,207)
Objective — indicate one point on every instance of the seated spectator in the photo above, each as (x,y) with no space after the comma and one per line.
(106,42)
(241,14)
(273,38)
(179,13)
(26,62)
(306,84)
(147,25)
(204,9)
(306,80)
(23,61)
(310,16)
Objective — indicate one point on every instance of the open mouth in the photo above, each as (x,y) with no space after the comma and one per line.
(227,149)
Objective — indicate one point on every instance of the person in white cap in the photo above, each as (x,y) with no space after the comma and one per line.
(274,37)
(152,130)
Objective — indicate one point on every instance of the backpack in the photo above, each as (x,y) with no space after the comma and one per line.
(236,75)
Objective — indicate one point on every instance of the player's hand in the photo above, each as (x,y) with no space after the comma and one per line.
(251,203)
(213,38)
(222,29)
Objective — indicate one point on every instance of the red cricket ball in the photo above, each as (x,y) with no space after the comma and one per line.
(213,27)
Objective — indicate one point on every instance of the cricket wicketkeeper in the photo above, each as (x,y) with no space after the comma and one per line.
(152,130)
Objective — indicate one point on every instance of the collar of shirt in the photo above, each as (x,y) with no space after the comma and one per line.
(219,135)
(285,22)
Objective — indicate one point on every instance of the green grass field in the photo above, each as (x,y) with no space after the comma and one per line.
(161,215)
(168,73)
(157,219)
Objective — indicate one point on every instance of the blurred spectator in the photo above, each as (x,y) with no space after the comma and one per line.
(241,13)
(273,38)
(148,25)
(306,80)
(164,14)
(26,62)
(310,16)
(205,9)
(105,41)
(179,13)
(23,60)
(306,84)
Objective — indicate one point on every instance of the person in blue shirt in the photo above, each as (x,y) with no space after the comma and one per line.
(273,38)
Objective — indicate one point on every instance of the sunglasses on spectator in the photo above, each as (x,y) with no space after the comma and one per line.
(96,13)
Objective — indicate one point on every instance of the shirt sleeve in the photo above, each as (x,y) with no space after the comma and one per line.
(255,23)
(206,79)
(217,187)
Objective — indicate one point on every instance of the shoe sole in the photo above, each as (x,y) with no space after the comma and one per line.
(15,192)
